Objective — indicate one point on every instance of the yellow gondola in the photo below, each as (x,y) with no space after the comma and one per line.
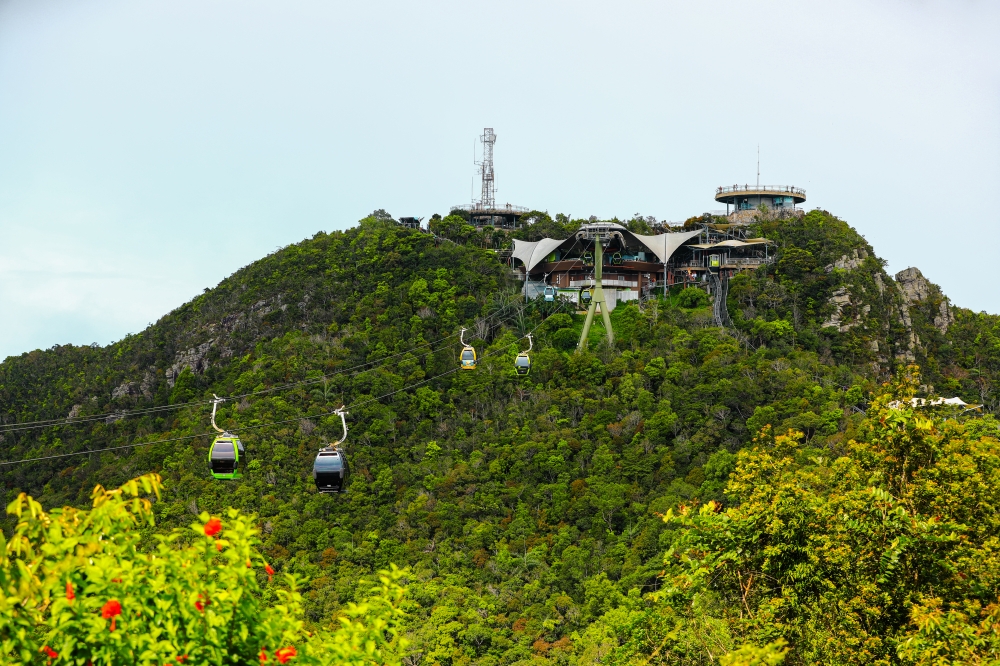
(468,357)
(522,364)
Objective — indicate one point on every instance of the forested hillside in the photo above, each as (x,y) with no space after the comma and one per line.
(530,511)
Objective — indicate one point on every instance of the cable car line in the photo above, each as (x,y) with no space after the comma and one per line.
(35,425)
(5,463)
(48,423)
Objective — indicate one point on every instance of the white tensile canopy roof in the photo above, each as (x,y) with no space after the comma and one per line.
(935,402)
(664,245)
(532,253)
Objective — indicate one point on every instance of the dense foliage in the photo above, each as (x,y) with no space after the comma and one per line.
(85,587)
(886,553)
(528,510)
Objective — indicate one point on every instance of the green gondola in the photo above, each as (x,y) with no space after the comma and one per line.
(226,456)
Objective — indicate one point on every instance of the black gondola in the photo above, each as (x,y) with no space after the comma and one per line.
(586,295)
(330,469)
(330,472)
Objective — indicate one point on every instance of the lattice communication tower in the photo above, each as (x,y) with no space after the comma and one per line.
(486,169)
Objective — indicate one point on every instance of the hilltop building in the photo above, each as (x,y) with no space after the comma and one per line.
(636,264)
(743,201)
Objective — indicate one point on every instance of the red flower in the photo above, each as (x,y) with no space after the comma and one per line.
(285,653)
(263,656)
(182,658)
(110,610)
(218,546)
(270,572)
(200,605)
(70,594)
(52,654)
(213,527)
(249,565)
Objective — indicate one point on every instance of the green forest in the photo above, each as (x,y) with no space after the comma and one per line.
(765,493)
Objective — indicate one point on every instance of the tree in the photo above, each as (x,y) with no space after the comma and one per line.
(77,588)
(886,555)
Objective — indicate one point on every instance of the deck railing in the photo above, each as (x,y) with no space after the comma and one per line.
(604,282)
(776,189)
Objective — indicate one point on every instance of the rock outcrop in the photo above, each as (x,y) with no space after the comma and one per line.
(193,358)
(918,290)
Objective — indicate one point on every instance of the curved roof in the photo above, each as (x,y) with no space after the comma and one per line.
(532,253)
(664,245)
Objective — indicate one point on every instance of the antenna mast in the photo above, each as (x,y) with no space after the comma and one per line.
(486,169)
(758,166)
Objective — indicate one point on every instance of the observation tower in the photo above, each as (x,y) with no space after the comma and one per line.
(486,211)
(751,197)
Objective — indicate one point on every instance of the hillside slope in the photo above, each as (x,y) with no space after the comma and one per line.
(526,508)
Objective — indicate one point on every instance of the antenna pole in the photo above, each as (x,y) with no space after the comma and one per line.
(758,166)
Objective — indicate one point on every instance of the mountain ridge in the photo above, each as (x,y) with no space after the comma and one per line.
(526,509)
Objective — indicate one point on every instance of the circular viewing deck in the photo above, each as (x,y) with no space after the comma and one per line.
(735,194)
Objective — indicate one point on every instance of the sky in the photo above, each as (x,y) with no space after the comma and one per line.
(150,149)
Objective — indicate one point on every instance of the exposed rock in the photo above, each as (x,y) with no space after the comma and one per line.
(914,285)
(116,416)
(907,355)
(74,412)
(917,289)
(148,381)
(848,262)
(879,283)
(944,318)
(839,299)
(193,358)
(124,390)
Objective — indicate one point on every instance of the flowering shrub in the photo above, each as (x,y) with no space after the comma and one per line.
(78,587)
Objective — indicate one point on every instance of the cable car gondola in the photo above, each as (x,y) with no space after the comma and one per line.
(550,294)
(616,259)
(226,455)
(468,357)
(522,364)
(586,295)
(330,470)
(588,259)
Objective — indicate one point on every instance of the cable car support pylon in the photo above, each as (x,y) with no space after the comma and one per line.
(599,236)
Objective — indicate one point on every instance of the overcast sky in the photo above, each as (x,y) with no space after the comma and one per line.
(149,149)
